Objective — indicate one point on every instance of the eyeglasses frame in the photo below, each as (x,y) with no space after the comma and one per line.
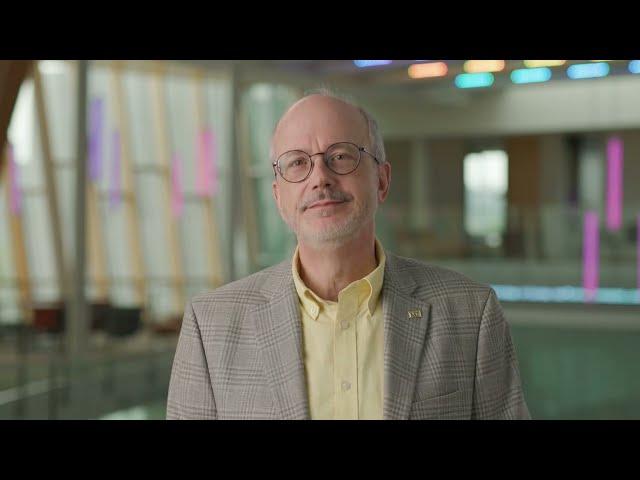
(276,166)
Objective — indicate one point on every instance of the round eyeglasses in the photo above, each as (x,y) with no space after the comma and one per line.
(341,158)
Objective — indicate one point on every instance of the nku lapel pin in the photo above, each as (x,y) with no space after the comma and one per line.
(414,313)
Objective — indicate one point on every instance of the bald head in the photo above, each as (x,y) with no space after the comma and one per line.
(316,121)
(326,114)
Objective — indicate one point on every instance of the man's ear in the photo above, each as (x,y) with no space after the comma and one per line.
(276,193)
(384,181)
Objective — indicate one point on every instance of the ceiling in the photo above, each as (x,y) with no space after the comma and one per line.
(390,81)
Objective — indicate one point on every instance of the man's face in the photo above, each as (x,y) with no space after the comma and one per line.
(328,208)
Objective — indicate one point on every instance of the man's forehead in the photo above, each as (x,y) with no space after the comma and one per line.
(319,118)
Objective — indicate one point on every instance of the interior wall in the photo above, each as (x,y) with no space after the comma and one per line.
(559,106)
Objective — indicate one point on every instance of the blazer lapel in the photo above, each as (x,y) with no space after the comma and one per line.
(279,337)
(405,325)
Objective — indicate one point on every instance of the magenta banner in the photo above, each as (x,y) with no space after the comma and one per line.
(177,198)
(96,124)
(615,155)
(207,174)
(115,188)
(15,196)
(590,256)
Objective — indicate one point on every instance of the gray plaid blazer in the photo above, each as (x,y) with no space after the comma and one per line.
(239,354)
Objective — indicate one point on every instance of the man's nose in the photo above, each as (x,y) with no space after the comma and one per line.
(321,176)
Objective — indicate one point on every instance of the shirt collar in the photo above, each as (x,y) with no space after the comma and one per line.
(312,303)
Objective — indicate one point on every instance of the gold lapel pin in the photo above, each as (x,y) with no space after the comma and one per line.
(415,313)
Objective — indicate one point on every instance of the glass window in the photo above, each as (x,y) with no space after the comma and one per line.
(485,189)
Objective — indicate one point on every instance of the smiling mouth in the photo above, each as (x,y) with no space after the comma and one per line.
(325,203)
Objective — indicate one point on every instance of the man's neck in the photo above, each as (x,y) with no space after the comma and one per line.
(327,270)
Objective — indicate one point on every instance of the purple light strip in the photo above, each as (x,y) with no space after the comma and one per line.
(615,155)
(115,192)
(213,162)
(177,201)
(590,256)
(638,253)
(15,197)
(96,124)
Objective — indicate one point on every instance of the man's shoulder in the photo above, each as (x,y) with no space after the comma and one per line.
(435,281)
(251,289)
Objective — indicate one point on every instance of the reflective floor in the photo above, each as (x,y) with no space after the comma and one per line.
(153,411)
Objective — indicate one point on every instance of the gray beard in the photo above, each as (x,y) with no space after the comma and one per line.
(338,234)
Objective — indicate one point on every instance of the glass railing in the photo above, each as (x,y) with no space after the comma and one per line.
(542,254)
(39,380)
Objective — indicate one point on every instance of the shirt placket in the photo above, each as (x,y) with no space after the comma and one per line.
(346,364)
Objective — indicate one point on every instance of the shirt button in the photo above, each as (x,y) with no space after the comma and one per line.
(346,386)
(344,324)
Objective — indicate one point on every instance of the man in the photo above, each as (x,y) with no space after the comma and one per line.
(343,330)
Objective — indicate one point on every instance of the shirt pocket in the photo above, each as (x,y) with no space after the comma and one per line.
(450,406)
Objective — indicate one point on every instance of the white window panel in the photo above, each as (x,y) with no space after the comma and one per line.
(40,249)
(60,97)
(194,241)
(154,224)
(138,102)
(182,125)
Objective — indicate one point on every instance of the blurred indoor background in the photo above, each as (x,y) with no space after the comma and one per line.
(126,187)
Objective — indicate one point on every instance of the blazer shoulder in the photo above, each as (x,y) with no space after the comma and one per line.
(249,290)
(434,280)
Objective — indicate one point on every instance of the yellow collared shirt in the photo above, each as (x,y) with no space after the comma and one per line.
(343,347)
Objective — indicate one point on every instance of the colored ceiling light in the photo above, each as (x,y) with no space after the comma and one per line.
(428,70)
(474,80)
(543,63)
(588,70)
(370,63)
(531,75)
(481,66)
(634,66)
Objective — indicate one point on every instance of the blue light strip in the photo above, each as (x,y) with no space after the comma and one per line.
(634,66)
(565,294)
(588,70)
(370,63)
(531,75)
(474,80)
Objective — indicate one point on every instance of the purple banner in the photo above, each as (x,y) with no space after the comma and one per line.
(115,188)
(177,200)
(96,125)
(615,155)
(207,177)
(15,196)
(590,256)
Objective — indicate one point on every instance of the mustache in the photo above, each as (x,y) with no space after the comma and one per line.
(333,195)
